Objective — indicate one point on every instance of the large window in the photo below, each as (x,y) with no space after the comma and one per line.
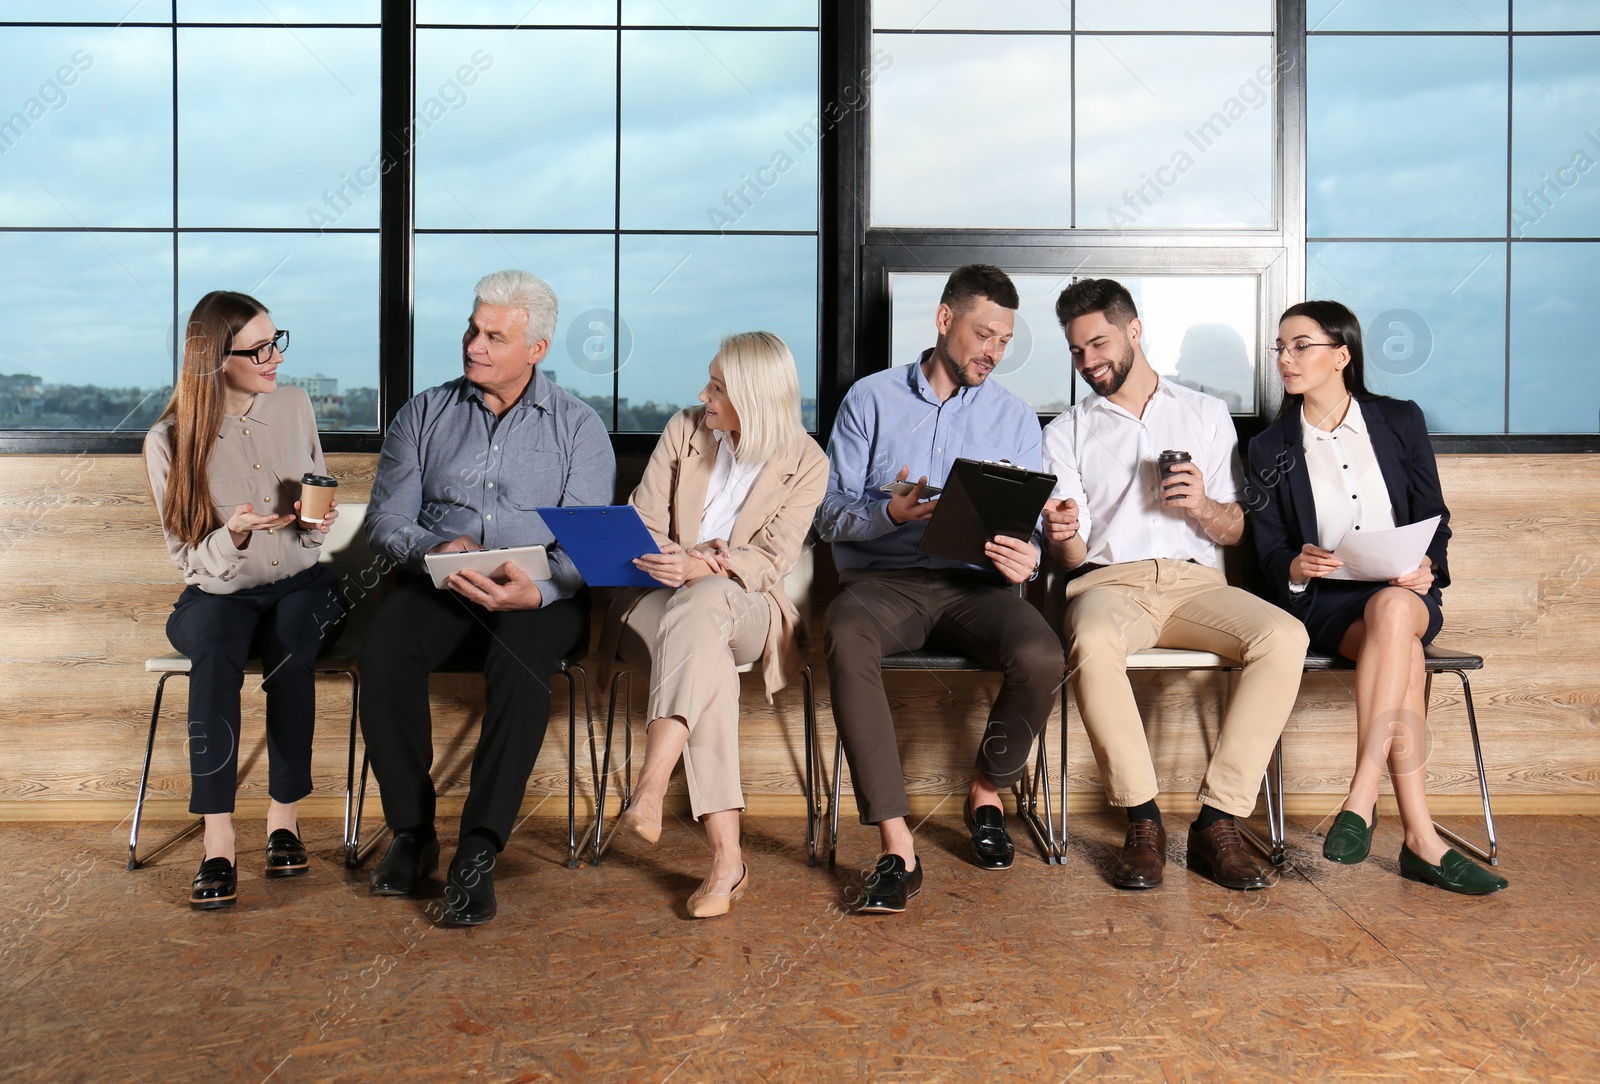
(1453,201)
(149,156)
(656,163)
(1063,140)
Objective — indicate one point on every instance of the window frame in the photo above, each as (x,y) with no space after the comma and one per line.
(856,259)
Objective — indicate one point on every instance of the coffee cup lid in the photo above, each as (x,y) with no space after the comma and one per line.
(309,479)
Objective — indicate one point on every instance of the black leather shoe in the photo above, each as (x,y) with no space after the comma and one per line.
(1349,841)
(469,890)
(216,885)
(286,855)
(889,886)
(991,843)
(1454,873)
(408,860)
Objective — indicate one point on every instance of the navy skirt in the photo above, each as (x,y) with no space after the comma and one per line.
(1335,605)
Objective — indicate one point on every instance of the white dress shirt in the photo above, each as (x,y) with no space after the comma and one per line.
(726,491)
(1346,483)
(1105,459)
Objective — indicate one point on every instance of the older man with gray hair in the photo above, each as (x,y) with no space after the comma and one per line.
(463,467)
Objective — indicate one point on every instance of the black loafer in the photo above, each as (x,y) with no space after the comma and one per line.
(991,843)
(889,886)
(286,855)
(216,885)
(469,890)
(409,859)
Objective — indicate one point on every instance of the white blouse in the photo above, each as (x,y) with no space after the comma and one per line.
(726,491)
(1346,482)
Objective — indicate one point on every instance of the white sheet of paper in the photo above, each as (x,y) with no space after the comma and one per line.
(1380,556)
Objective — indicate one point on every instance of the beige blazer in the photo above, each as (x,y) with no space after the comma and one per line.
(767,534)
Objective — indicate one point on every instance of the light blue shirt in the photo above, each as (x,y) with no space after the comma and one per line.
(449,467)
(893,419)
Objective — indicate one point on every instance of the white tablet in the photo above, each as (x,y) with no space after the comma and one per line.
(531,559)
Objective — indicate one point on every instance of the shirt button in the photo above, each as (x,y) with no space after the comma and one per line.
(274,564)
(256,466)
(1347,466)
(270,530)
(1358,526)
(489,516)
(266,500)
(491,485)
(497,447)
(246,432)
(1352,496)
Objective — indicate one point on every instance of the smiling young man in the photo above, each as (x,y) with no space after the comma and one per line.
(914,421)
(463,467)
(1153,578)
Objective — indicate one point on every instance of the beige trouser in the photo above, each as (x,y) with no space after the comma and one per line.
(1115,611)
(691,641)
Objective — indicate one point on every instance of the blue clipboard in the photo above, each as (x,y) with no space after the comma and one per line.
(602,541)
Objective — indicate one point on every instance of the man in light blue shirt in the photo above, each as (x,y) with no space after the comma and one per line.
(463,467)
(914,421)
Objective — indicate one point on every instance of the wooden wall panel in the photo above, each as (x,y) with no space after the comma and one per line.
(85,588)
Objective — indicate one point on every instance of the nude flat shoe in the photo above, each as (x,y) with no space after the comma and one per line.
(634,822)
(712,904)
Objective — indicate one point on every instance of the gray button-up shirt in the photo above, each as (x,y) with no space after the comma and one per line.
(449,467)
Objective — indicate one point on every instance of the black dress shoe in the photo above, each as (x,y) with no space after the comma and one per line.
(216,885)
(286,855)
(469,890)
(409,859)
(889,886)
(991,843)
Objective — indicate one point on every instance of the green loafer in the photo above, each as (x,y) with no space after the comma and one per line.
(1454,873)
(1350,839)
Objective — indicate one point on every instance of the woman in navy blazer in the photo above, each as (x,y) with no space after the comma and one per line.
(1334,439)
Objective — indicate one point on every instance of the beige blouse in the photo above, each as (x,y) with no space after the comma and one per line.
(258,459)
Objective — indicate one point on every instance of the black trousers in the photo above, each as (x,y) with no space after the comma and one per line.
(287,624)
(419,629)
(880,613)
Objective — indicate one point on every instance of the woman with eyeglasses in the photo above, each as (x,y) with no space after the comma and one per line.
(729,494)
(1340,459)
(225,461)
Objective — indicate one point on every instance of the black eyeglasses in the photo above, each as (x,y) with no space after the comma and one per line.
(1294,350)
(263,353)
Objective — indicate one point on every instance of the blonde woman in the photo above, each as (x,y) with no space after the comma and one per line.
(729,494)
(225,461)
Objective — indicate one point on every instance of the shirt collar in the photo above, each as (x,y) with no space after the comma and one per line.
(536,394)
(1353,422)
(1163,388)
(919,383)
(259,412)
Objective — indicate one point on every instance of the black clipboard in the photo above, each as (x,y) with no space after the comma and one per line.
(982,499)
(602,541)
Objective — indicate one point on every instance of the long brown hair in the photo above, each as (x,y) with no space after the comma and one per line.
(196,410)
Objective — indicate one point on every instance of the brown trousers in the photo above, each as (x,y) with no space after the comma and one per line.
(880,613)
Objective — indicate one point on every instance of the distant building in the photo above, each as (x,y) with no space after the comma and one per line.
(317,386)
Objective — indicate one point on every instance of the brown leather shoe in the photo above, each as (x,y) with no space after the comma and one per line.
(1143,857)
(1219,852)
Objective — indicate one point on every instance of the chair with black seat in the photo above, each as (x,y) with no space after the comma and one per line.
(345,549)
(797,585)
(1028,791)
(1436,660)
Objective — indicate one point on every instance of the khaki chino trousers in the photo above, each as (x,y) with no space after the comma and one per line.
(1117,610)
(692,641)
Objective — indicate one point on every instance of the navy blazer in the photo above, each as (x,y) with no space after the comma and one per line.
(1283,517)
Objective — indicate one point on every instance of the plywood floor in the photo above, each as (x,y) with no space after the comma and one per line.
(1039,974)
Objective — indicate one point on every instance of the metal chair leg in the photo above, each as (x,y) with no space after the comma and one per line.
(1026,792)
(572,767)
(813,770)
(1492,854)
(603,781)
(1061,837)
(833,802)
(352,826)
(134,861)
(1275,847)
